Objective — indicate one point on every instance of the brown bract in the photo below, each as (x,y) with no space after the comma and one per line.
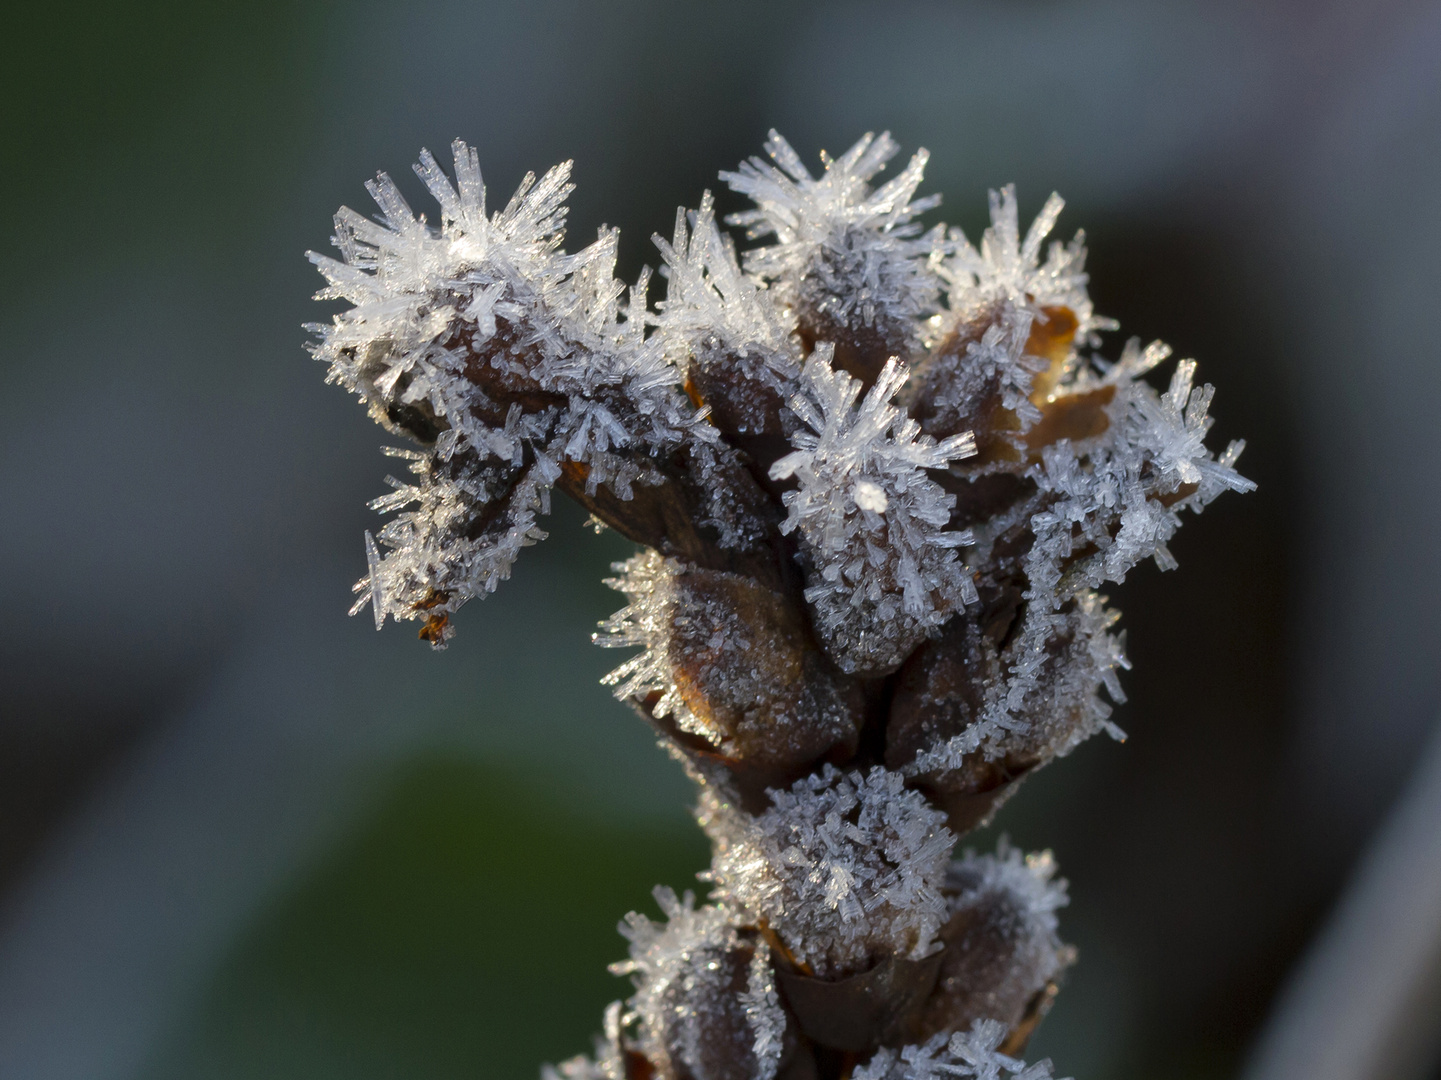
(860,1012)
(999,963)
(750,672)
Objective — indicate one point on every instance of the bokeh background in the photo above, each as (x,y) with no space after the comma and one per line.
(242,835)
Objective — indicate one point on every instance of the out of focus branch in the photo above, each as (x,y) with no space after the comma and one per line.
(1365,1002)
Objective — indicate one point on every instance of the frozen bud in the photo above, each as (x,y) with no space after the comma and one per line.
(883,570)
(730,670)
(986,703)
(857,1013)
(1002,955)
(845,867)
(1007,272)
(996,374)
(508,361)
(1113,498)
(1014,326)
(726,332)
(979,379)
(941,695)
(705,508)
(705,1006)
(849,262)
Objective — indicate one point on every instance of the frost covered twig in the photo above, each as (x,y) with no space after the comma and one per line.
(877,482)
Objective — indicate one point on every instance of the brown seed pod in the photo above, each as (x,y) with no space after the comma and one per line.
(706,1035)
(732,673)
(749,413)
(941,692)
(1042,672)
(1002,957)
(965,388)
(706,1006)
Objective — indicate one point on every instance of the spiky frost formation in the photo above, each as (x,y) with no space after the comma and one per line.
(1118,497)
(502,354)
(991,369)
(884,570)
(1007,336)
(705,1005)
(1008,267)
(974,1055)
(847,867)
(1039,697)
(648,621)
(762,1003)
(845,257)
(722,326)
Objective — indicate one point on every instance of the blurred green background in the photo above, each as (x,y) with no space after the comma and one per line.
(244,836)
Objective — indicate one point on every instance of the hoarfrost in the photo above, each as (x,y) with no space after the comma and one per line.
(974,1055)
(1029,879)
(955,383)
(847,867)
(730,660)
(712,309)
(1008,268)
(782,374)
(1117,498)
(884,570)
(691,1021)
(848,255)
(1042,699)
(505,357)
(1002,949)
(763,1009)
(1006,340)
(648,621)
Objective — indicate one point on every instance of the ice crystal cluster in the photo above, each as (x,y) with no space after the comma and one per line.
(877,474)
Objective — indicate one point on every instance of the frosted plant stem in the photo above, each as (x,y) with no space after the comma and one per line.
(1365,1001)
(876,484)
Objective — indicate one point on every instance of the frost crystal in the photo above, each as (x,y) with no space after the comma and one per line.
(1117,498)
(845,256)
(648,620)
(727,660)
(1008,268)
(1002,953)
(609,1060)
(970,1056)
(873,524)
(846,867)
(1029,879)
(713,314)
(1006,341)
(763,1010)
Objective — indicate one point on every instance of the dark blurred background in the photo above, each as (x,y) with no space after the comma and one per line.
(242,835)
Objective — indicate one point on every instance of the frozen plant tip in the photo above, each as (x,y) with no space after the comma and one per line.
(877,475)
